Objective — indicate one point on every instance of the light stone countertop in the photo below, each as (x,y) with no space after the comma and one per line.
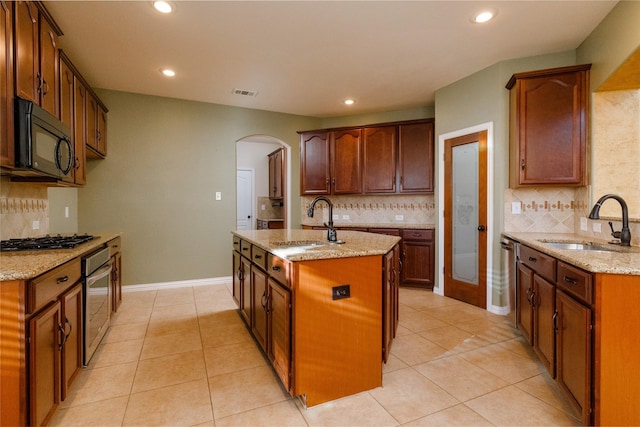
(29,264)
(625,260)
(356,244)
(398,225)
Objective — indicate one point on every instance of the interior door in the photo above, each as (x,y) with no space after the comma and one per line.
(465,218)
(244,199)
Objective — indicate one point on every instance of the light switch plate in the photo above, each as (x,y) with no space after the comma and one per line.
(516,208)
(583,224)
(218,195)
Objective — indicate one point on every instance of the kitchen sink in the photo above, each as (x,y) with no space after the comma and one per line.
(299,243)
(581,246)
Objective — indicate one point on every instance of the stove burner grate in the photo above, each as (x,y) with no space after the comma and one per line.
(44,243)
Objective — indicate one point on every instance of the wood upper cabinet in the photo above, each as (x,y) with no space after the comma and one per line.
(331,162)
(6,85)
(549,112)
(67,116)
(380,153)
(415,157)
(80,94)
(36,55)
(276,167)
(315,168)
(96,118)
(346,161)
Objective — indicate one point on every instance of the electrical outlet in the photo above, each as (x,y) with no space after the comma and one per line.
(340,292)
(399,217)
(66,211)
(263,207)
(35,225)
(345,216)
(335,216)
(597,227)
(583,224)
(516,208)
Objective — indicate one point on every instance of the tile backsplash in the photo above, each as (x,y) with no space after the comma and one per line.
(373,210)
(21,207)
(270,208)
(558,210)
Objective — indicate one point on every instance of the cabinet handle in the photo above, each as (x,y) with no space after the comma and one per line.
(62,279)
(522,164)
(275,268)
(39,78)
(529,293)
(570,280)
(533,299)
(417,235)
(555,321)
(533,259)
(46,88)
(61,336)
(66,337)
(263,302)
(257,256)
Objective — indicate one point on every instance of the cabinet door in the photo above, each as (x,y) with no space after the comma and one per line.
(380,155)
(80,129)
(346,161)
(7,157)
(417,262)
(245,292)
(237,277)
(259,300)
(276,167)
(27,73)
(314,164)
(101,135)
(524,310)
(551,131)
(72,349)
(280,331)
(92,124)
(387,304)
(544,302)
(66,109)
(49,84)
(116,281)
(415,157)
(573,329)
(45,344)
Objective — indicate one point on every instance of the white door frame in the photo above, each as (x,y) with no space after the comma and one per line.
(490,223)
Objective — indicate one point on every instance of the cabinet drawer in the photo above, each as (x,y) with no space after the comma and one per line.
(236,243)
(245,249)
(387,231)
(542,264)
(278,269)
(259,257)
(575,282)
(414,234)
(49,286)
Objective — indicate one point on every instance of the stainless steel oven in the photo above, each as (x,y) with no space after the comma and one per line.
(96,269)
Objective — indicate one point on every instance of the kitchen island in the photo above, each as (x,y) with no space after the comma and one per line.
(324,313)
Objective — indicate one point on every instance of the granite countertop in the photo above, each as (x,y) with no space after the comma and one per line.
(396,225)
(29,264)
(313,245)
(624,260)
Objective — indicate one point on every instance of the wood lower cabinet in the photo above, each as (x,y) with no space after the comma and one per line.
(280,331)
(72,309)
(544,306)
(390,303)
(549,112)
(46,339)
(418,257)
(115,248)
(259,308)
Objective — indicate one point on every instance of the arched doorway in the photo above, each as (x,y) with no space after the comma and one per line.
(252,198)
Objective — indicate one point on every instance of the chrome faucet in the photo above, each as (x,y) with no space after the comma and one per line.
(625,234)
(331,232)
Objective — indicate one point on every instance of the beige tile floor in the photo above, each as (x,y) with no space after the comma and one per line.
(183,357)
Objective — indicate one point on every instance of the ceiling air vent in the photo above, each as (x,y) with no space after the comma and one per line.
(245,92)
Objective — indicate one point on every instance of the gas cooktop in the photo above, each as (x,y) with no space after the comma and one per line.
(43,243)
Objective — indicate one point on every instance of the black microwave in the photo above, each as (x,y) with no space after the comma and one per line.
(43,142)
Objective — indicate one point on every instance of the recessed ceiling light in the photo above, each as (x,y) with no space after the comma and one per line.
(163,6)
(349,101)
(484,16)
(167,72)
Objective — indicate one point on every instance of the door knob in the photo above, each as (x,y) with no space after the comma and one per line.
(481,228)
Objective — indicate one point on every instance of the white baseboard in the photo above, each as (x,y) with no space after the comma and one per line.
(177,284)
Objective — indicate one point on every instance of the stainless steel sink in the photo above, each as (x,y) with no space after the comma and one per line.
(299,243)
(587,246)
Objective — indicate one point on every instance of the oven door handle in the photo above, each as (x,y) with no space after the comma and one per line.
(99,274)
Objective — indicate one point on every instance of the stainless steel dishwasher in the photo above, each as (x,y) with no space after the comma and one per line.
(509,260)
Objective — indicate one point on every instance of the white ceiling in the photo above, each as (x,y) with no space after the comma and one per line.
(307,57)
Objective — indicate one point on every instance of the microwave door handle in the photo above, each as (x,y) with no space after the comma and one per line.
(58,155)
(99,274)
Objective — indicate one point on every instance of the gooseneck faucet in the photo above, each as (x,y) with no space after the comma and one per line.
(331,232)
(625,234)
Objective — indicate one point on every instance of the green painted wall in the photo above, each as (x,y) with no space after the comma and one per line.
(166,159)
